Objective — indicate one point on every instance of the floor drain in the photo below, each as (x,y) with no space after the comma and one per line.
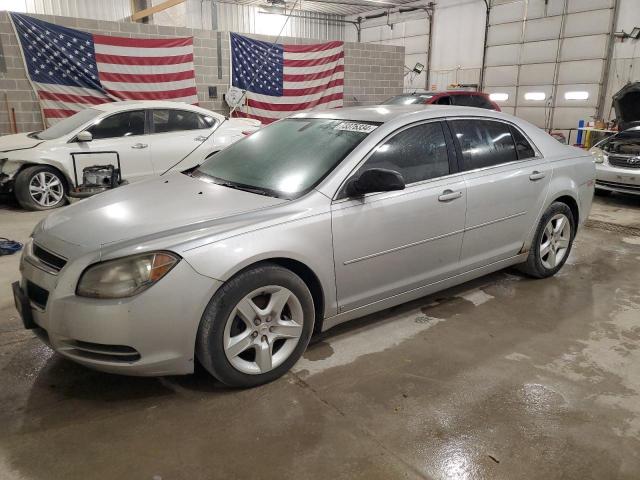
(612,227)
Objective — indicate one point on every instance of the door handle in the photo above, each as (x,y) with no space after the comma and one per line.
(139,145)
(449,195)
(536,175)
(200,138)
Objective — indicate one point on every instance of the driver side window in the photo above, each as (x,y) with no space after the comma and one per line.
(417,153)
(123,124)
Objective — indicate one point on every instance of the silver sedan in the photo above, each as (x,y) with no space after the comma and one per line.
(315,220)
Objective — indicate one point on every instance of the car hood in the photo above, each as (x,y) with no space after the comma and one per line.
(161,207)
(18,141)
(627,105)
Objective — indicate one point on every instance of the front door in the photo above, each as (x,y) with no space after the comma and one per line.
(124,133)
(506,186)
(388,243)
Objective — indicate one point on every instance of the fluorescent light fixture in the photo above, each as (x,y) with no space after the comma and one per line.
(535,96)
(635,33)
(577,95)
(499,97)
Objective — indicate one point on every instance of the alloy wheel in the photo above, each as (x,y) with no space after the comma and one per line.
(263,330)
(555,241)
(46,189)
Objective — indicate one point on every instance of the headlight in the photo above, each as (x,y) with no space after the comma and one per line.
(598,155)
(125,277)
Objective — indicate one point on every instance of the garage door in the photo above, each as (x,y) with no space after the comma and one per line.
(545,60)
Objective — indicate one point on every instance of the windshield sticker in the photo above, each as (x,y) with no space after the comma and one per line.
(355,127)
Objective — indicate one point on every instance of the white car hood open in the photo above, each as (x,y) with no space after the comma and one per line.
(18,141)
(171,205)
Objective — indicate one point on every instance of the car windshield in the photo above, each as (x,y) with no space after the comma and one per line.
(68,125)
(407,99)
(287,158)
(625,143)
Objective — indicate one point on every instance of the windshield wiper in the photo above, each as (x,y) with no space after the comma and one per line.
(256,190)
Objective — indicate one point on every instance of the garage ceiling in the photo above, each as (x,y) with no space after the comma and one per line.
(349,7)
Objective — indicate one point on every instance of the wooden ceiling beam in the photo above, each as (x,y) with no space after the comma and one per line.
(155,9)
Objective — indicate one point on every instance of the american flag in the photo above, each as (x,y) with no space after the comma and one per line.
(71,70)
(281,79)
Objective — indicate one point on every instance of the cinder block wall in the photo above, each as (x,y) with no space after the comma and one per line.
(372,72)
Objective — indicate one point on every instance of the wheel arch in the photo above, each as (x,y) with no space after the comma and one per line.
(572,203)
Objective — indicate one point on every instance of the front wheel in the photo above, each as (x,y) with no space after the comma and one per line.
(552,242)
(256,326)
(40,187)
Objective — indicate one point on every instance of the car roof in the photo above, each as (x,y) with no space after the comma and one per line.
(386,113)
(133,104)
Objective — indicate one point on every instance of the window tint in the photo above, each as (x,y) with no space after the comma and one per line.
(418,153)
(178,120)
(123,124)
(484,143)
(523,147)
(477,101)
(444,101)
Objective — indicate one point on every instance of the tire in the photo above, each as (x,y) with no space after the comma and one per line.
(547,245)
(257,352)
(32,179)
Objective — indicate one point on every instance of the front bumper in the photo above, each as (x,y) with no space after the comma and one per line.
(615,179)
(152,333)
(6,183)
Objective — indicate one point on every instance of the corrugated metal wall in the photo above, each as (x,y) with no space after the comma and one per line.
(249,19)
(112,10)
(548,58)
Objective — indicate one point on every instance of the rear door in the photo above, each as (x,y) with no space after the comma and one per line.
(176,133)
(388,243)
(506,182)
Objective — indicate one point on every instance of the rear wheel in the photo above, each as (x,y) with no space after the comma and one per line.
(256,326)
(552,242)
(40,187)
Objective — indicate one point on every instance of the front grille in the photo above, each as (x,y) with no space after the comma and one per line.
(51,260)
(37,295)
(624,161)
(102,352)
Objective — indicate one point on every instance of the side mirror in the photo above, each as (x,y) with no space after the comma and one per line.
(375,180)
(84,136)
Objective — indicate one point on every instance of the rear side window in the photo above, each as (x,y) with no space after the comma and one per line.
(446,100)
(484,143)
(123,124)
(177,120)
(523,147)
(418,153)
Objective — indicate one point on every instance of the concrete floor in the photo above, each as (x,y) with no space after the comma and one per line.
(503,377)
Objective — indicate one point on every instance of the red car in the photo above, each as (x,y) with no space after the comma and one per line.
(451,97)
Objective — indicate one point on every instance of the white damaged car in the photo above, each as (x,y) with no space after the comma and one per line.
(106,145)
